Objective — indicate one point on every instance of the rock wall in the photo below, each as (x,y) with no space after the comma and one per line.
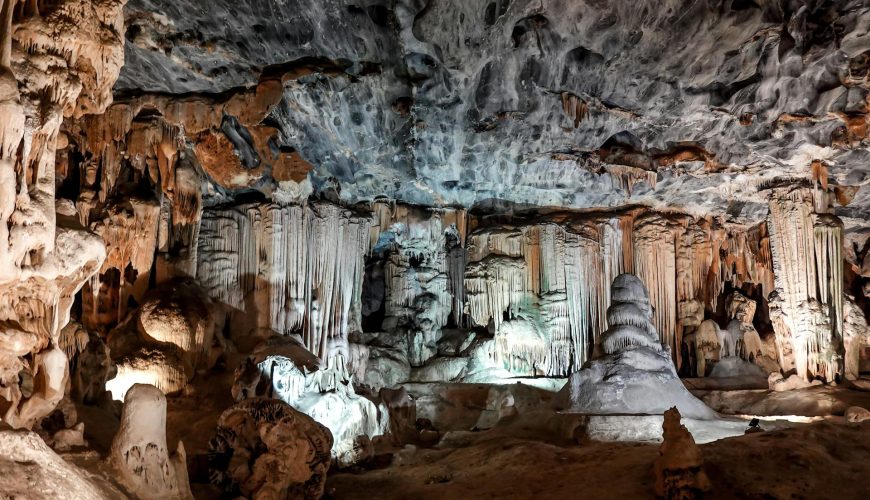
(428,176)
(58,61)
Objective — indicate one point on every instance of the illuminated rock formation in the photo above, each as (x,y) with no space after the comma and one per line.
(636,374)
(679,469)
(551,282)
(139,453)
(282,368)
(424,286)
(263,448)
(286,269)
(807,314)
(165,341)
(61,62)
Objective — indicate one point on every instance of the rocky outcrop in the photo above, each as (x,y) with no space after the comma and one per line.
(263,448)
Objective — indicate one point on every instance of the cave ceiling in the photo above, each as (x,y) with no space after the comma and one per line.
(692,105)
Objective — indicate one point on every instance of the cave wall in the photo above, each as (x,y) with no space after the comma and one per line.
(58,63)
(495,163)
(261,174)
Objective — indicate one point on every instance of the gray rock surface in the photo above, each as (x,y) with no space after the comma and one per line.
(531,102)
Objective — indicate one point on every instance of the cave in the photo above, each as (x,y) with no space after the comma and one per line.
(340,249)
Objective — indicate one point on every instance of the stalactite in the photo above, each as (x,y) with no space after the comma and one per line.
(549,277)
(655,265)
(574,107)
(626,177)
(304,263)
(828,233)
(130,233)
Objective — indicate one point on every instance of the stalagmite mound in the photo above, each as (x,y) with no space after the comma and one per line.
(263,448)
(679,468)
(139,452)
(180,313)
(636,374)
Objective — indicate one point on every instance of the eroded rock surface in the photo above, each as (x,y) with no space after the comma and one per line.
(263,448)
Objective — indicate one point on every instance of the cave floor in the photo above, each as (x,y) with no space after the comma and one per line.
(827,459)
(806,451)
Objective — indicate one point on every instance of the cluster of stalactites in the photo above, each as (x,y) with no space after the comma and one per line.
(626,177)
(304,265)
(687,261)
(807,312)
(427,256)
(554,281)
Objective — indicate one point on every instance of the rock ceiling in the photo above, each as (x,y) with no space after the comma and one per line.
(697,105)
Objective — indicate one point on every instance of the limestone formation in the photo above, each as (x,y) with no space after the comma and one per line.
(165,341)
(679,469)
(139,452)
(282,368)
(263,448)
(32,470)
(856,336)
(636,374)
(59,64)
(373,211)
(90,363)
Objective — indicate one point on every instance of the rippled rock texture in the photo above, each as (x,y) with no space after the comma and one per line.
(563,103)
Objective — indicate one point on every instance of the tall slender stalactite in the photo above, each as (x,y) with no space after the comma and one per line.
(289,268)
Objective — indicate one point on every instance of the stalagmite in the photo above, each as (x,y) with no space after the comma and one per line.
(679,468)
(139,452)
(636,374)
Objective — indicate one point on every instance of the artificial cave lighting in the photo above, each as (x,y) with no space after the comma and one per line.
(434,249)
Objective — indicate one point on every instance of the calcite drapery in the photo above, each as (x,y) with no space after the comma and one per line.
(424,269)
(548,279)
(286,268)
(806,245)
